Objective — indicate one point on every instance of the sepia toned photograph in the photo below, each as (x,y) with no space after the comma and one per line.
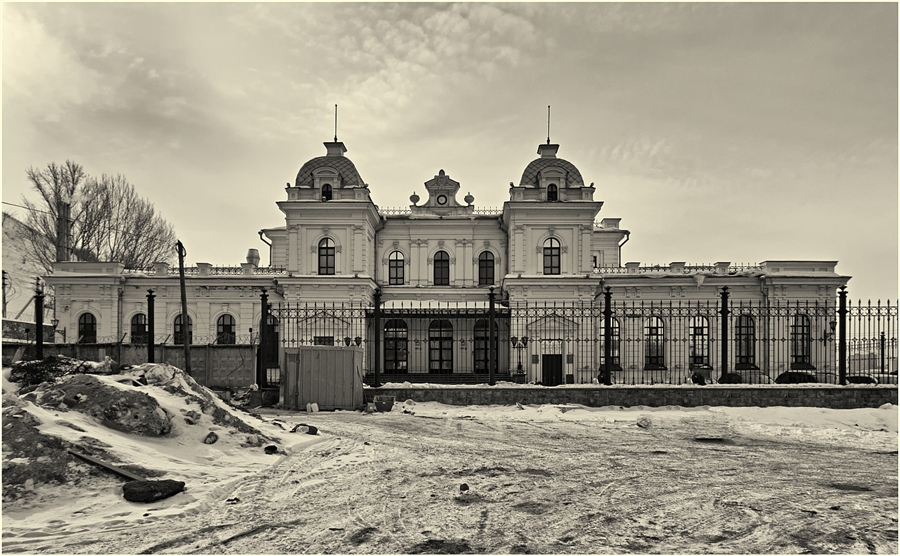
(449,278)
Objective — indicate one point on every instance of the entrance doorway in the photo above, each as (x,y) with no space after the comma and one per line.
(551,369)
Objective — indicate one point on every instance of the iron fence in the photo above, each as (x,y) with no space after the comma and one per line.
(649,342)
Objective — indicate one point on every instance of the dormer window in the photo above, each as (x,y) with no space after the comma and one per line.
(326,192)
(552,192)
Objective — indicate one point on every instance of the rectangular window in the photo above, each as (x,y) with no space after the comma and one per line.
(486,271)
(441,272)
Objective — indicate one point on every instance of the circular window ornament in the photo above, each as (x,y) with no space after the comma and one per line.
(442,199)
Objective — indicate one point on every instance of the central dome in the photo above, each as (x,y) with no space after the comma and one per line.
(534,168)
(335,160)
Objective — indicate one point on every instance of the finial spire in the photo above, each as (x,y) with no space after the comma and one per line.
(335,123)
(548,124)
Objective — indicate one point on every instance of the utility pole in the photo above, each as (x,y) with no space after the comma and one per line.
(39,319)
(5,287)
(185,319)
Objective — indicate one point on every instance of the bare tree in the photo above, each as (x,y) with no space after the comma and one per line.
(110,222)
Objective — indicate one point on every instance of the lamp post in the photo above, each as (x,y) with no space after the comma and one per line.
(519,343)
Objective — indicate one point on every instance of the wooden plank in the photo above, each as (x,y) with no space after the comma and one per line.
(108,466)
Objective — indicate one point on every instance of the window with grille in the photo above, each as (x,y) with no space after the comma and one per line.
(225,330)
(486,269)
(654,343)
(87,329)
(395,269)
(441,269)
(139,329)
(698,341)
(614,344)
(178,336)
(440,346)
(395,346)
(801,342)
(326,257)
(745,337)
(551,256)
(481,346)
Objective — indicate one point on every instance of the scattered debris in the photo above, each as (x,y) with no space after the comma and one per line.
(233,501)
(463,487)
(271,449)
(644,422)
(117,470)
(211,438)
(519,406)
(151,491)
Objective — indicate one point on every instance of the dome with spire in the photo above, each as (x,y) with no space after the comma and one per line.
(335,160)
(532,173)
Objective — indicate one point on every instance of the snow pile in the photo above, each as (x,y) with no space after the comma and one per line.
(152,420)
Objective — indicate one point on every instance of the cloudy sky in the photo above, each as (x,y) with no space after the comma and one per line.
(717,132)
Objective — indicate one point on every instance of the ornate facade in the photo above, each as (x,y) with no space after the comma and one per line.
(546,258)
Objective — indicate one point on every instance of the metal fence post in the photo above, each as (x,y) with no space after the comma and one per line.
(492,344)
(724,313)
(377,348)
(263,330)
(151,346)
(607,336)
(842,336)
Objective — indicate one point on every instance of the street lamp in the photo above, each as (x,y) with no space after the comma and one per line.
(519,343)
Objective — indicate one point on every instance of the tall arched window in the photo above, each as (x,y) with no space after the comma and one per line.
(486,269)
(326,257)
(139,329)
(801,342)
(178,336)
(551,256)
(745,337)
(396,269)
(395,346)
(441,269)
(481,345)
(225,330)
(326,192)
(654,344)
(698,342)
(87,329)
(440,346)
(552,192)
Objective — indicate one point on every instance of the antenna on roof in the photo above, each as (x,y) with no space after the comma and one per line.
(335,123)
(548,124)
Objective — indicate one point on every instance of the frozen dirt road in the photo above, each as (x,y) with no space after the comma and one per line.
(696,481)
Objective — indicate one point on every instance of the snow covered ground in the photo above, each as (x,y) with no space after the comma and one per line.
(433,478)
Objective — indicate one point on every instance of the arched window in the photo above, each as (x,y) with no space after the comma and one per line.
(225,330)
(551,256)
(395,269)
(654,344)
(395,346)
(486,269)
(481,346)
(552,192)
(440,346)
(139,329)
(745,336)
(326,257)
(87,329)
(326,192)
(698,342)
(441,269)
(801,342)
(179,331)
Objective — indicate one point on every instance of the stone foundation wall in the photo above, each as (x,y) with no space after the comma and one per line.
(833,397)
